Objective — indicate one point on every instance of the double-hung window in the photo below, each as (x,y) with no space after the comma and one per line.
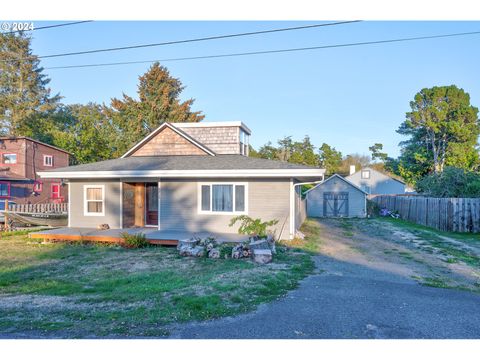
(365,174)
(223,198)
(94,200)
(48,160)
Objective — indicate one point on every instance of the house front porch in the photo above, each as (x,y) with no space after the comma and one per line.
(154,236)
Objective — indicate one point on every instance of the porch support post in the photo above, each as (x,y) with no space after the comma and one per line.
(121,203)
(159,203)
(292,210)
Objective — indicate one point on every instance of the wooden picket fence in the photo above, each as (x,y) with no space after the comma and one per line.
(39,208)
(446,214)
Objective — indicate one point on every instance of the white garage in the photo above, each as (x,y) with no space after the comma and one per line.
(336,197)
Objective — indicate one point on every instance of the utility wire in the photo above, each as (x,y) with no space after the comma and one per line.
(269,51)
(196,39)
(51,26)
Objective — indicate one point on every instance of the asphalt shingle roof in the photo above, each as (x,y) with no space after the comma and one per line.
(184,162)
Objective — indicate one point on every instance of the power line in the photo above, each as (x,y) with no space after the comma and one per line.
(268,51)
(51,26)
(196,39)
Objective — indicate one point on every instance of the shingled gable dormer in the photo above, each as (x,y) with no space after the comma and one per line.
(194,139)
(226,137)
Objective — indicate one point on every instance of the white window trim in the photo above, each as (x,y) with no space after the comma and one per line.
(44,160)
(211,212)
(366,171)
(85,207)
(9,163)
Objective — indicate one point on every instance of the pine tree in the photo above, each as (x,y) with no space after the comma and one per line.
(443,129)
(24,96)
(158,94)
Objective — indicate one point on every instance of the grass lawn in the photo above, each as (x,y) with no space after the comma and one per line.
(75,290)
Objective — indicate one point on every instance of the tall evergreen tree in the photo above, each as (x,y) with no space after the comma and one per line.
(25,99)
(158,102)
(443,129)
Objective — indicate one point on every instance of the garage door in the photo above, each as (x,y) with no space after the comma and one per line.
(335,204)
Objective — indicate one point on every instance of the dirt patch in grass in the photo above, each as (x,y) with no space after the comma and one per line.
(438,259)
(78,291)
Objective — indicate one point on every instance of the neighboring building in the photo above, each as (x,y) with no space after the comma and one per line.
(21,158)
(188,177)
(375,182)
(336,197)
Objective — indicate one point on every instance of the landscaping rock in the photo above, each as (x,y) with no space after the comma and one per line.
(262,256)
(214,254)
(198,251)
(259,244)
(185,250)
(187,243)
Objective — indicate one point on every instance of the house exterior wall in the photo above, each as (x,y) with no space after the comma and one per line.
(356,198)
(378,183)
(268,199)
(221,139)
(112,204)
(22,175)
(168,142)
(34,158)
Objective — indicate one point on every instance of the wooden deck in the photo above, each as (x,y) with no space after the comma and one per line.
(154,236)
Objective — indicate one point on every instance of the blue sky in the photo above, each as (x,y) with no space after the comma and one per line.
(349,98)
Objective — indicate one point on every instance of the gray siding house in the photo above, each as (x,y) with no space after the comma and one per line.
(375,182)
(187,177)
(336,197)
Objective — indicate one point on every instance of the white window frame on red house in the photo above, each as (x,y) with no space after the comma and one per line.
(46,162)
(54,192)
(9,163)
(38,186)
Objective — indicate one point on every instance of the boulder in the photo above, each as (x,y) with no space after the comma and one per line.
(259,244)
(198,251)
(187,243)
(184,250)
(262,256)
(214,254)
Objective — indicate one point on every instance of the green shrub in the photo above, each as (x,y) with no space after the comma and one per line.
(252,227)
(372,208)
(452,182)
(225,250)
(135,241)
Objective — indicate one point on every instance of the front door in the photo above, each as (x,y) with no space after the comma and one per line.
(151,195)
(335,204)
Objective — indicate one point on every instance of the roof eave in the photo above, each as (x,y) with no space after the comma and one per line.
(262,173)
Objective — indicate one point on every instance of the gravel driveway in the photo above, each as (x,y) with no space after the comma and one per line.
(368,284)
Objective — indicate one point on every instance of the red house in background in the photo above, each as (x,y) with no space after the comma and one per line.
(20,160)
